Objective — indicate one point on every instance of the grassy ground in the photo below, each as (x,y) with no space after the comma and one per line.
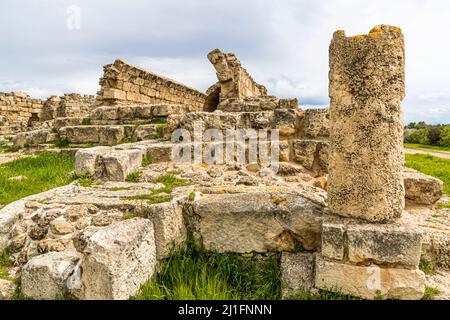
(426,147)
(192,273)
(43,172)
(433,166)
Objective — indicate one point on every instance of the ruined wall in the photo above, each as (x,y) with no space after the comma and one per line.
(70,105)
(17,111)
(367,86)
(235,81)
(123,83)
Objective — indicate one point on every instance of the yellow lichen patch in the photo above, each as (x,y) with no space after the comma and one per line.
(378,30)
(278,200)
(359,37)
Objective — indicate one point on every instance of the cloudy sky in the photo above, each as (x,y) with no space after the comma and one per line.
(283,44)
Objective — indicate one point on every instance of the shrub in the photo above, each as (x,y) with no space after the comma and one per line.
(445,137)
(434,135)
(418,136)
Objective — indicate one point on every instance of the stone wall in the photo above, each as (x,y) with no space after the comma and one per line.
(235,81)
(70,105)
(123,83)
(17,111)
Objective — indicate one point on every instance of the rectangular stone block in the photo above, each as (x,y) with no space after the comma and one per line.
(297,273)
(316,123)
(114,94)
(369,282)
(384,244)
(169,226)
(333,242)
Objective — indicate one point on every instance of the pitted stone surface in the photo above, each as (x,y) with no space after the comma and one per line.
(367,86)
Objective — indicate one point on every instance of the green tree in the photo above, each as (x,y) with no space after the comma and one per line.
(445,136)
(418,136)
(434,135)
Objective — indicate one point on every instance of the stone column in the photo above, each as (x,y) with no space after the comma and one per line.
(367,86)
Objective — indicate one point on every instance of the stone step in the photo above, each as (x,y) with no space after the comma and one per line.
(116,163)
(136,112)
(108,134)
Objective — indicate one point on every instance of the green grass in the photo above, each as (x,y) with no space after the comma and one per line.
(134,177)
(430,293)
(5,262)
(44,172)
(61,144)
(433,166)
(159,131)
(127,140)
(443,205)
(191,272)
(158,120)
(323,295)
(86,181)
(426,147)
(146,161)
(152,198)
(170,181)
(426,265)
(86,122)
(8,149)
(119,189)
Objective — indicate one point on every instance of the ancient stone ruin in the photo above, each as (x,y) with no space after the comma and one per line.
(338,204)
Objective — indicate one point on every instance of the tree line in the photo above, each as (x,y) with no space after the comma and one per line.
(422,133)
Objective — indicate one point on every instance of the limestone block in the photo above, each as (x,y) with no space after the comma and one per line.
(111,135)
(288,103)
(59,123)
(118,164)
(257,221)
(369,282)
(7,289)
(316,123)
(144,132)
(166,110)
(392,244)
(88,161)
(367,86)
(285,121)
(160,152)
(80,134)
(111,93)
(44,277)
(396,244)
(297,273)
(420,188)
(30,138)
(333,241)
(8,217)
(169,226)
(118,259)
(312,154)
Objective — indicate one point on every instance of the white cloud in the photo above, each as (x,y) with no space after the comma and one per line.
(283,44)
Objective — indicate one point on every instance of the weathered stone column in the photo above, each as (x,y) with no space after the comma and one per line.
(367,86)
